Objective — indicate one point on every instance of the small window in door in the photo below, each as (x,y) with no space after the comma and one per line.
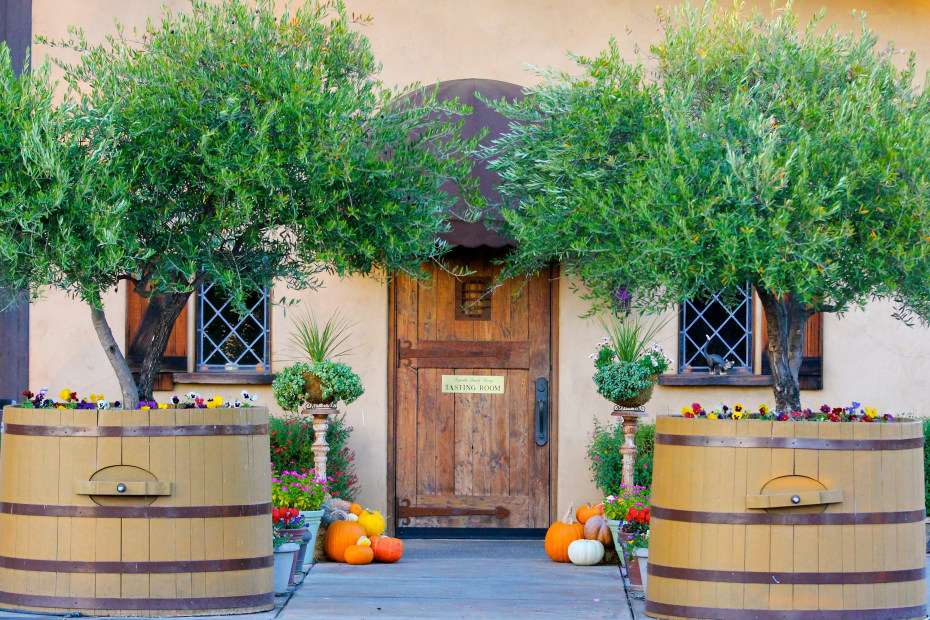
(473,299)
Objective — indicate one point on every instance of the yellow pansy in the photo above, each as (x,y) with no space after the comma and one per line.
(711,416)
(144,407)
(738,415)
(763,408)
(218,400)
(686,410)
(211,405)
(163,406)
(870,411)
(65,394)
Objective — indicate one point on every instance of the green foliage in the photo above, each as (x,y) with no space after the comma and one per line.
(288,387)
(795,159)
(317,343)
(927,461)
(222,144)
(291,438)
(338,381)
(300,491)
(629,335)
(606,463)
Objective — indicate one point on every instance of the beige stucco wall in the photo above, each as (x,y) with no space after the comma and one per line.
(869,357)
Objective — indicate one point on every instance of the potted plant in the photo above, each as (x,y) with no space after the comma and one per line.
(628,518)
(318,380)
(627,365)
(301,492)
(284,551)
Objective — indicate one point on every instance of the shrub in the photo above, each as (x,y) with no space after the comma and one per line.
(606,461)
(291,439)
(927,462)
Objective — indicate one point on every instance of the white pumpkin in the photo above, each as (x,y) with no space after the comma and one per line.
(585,552)
(351,517)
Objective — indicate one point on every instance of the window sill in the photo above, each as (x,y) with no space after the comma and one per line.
(744,379)
(224,378)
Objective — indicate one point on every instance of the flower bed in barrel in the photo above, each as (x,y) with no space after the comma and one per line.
(814,514)
(135,511)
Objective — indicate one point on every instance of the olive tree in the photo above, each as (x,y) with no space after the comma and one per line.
(751,150)
(237,145)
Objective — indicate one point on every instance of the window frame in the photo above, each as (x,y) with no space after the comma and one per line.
(230,366)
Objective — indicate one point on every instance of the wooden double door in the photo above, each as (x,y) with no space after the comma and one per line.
(472,398)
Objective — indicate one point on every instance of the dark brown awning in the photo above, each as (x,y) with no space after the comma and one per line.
(476,234)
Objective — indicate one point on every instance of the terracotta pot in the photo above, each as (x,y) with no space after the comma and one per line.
(639,399)
(313,390)
(634,574)
(297,535)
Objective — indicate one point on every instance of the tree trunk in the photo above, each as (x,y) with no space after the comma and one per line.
(166,309)
(786,320)
(120,366)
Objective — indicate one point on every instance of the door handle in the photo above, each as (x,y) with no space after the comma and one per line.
(542,411)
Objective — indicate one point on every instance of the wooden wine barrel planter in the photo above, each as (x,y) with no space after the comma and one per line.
(160,512)
(841,537)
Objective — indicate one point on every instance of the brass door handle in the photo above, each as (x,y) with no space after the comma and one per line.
(106,487)
(790,500)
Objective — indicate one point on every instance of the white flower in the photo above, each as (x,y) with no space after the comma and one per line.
(245,395)
(191,395)
(102,404)
(237,404)
(253,398)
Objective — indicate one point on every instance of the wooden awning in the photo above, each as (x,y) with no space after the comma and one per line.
(480,233)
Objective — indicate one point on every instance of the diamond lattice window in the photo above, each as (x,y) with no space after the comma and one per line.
(724,330)
(228,341)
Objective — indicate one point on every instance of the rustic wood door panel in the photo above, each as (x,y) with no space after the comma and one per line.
(469,459)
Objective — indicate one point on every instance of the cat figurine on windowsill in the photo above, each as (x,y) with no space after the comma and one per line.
(716,365)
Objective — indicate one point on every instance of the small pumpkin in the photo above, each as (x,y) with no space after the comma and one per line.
(364,541)
(334,515)
(585,552)
(355,509)
(561,534)
(387,549)
(585,512)
(597,529)
(352,517)
(372,521)
(341,535)
(358,554)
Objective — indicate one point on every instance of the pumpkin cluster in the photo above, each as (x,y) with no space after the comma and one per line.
(582,543)
(353,535)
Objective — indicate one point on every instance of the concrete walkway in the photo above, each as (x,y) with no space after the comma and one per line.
(462,579)
(454,579)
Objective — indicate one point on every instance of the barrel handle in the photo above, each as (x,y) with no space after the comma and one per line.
(106,487)
(790,500)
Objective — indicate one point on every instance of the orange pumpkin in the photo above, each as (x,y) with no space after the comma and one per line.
(561,534)
(357,554)
(355,509)
(387,549)
(340,535)
(597,529)
(586,512)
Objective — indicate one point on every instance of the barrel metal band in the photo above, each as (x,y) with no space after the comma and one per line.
(791,443)
(136,512)
(770,577)
(129,604)
(175,566)
(771,518)
(723,613)
(201,430)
